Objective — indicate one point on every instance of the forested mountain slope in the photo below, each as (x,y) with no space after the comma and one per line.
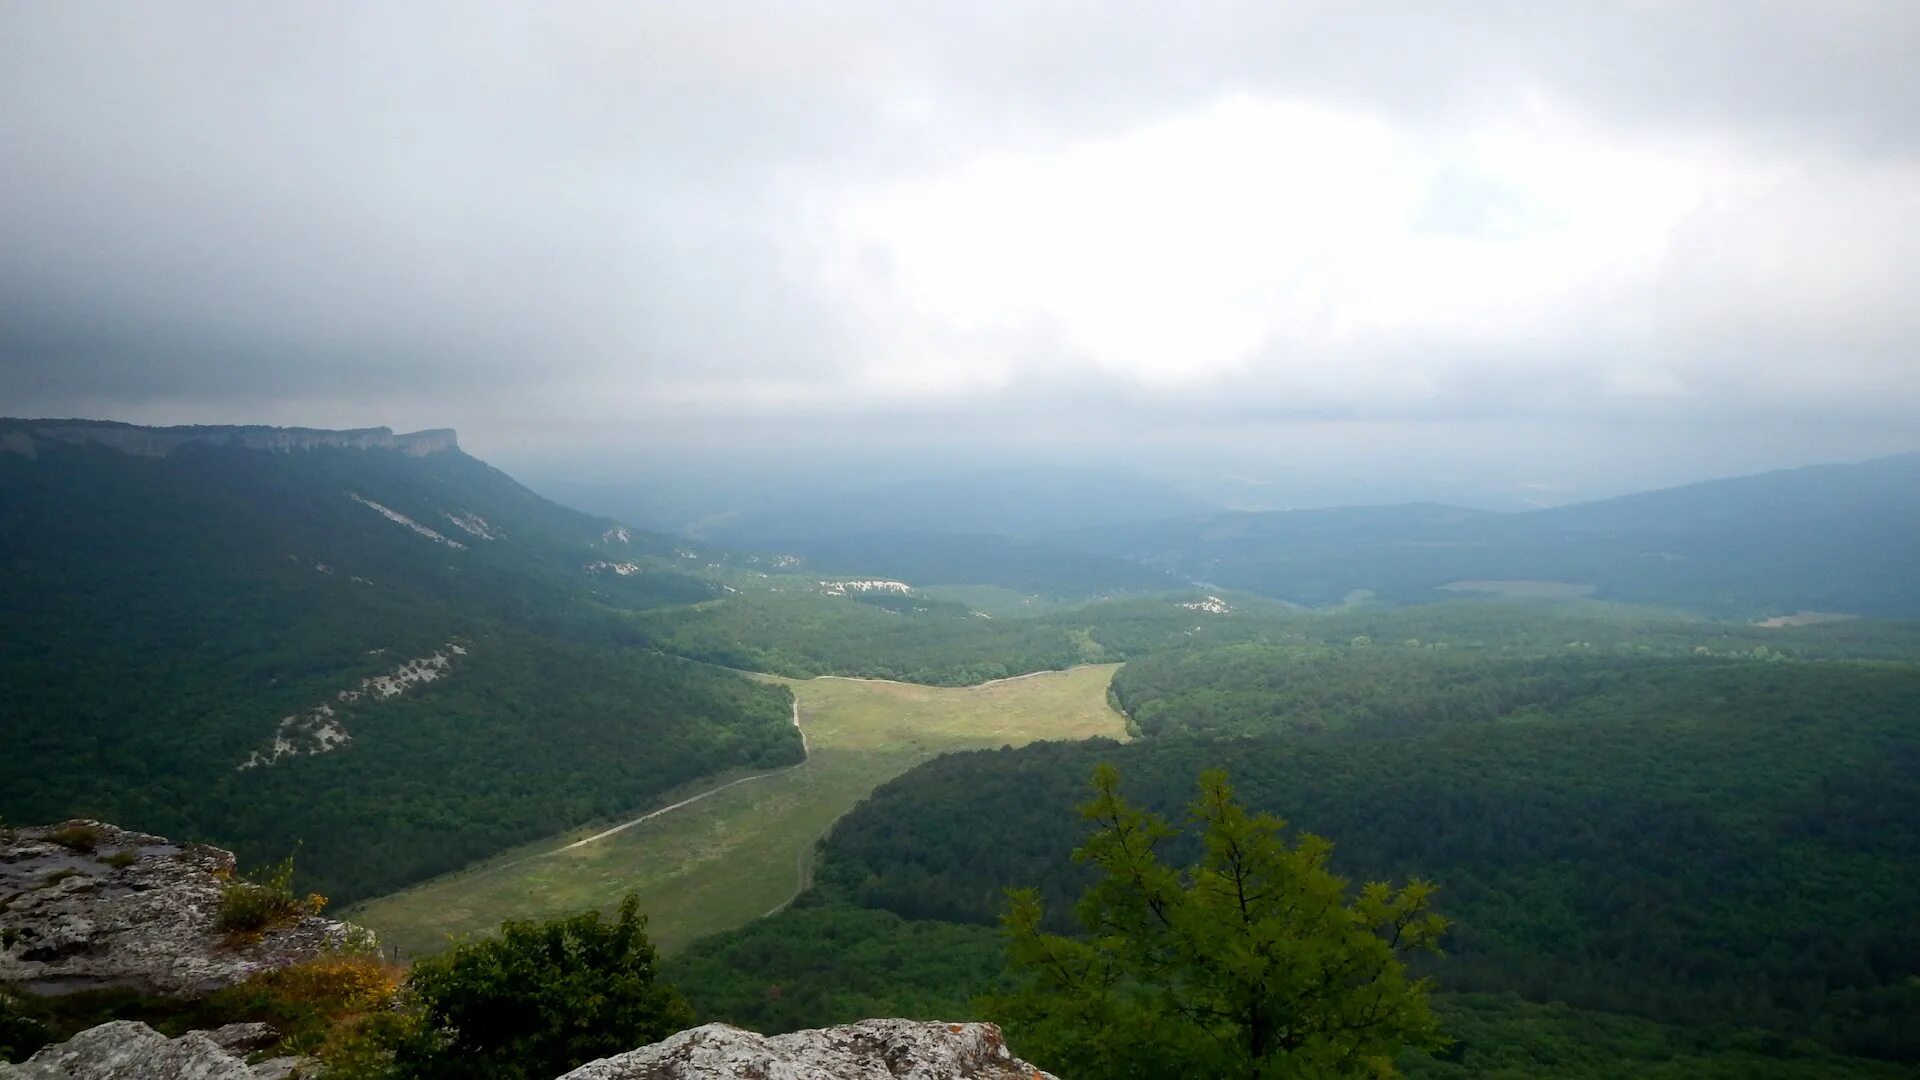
(372,645)
(1830,538)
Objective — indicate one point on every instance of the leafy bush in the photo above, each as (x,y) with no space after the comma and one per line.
(264,899)
(539,999)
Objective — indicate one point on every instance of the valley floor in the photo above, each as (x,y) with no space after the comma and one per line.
(721,860)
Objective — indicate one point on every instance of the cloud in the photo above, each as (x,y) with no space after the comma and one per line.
(1325,257)
(661,224)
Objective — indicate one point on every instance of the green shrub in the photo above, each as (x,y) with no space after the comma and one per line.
(264,899)
(120,860)
(539,999)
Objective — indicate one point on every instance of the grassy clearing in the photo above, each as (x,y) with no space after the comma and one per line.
(723,861)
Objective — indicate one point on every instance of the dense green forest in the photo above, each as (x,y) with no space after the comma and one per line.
(1722,844)
(159,615)
(943,643)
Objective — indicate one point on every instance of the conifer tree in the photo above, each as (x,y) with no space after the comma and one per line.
(1256,961)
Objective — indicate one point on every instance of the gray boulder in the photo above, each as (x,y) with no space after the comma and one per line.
(129,1050)
(868,1050)
(113,908)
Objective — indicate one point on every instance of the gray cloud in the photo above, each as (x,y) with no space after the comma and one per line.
(611,227)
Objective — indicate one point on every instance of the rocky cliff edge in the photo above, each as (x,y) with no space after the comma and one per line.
(85,906)
(26,437)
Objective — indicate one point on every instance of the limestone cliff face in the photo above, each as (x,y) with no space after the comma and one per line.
(85,905)
(26,437)
(868,1050)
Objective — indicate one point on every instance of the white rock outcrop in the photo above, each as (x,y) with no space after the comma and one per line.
(1212,605)
(403,520)
(847,588)
(621,568)
(113,908)
(318,730)
(130,1050)
(868,1050)
(473,524)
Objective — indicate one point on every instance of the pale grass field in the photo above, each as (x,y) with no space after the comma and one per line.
(721,862)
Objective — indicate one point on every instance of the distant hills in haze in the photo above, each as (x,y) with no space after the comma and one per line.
(776,511)
(1841,539)
(1833,538)
(1828,538)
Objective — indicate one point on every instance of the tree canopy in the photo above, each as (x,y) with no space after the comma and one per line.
(1253,962)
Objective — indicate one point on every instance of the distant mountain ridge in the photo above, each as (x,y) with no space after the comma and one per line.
(19,437)
(1839,538)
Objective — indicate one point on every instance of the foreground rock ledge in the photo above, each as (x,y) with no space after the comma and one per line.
(127,1049)
(127,909)
(868,1050)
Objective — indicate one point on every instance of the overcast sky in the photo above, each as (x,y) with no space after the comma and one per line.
(1544,247)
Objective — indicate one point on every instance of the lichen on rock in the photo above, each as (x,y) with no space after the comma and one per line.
(868,1050)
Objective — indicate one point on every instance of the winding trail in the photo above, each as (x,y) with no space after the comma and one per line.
(805,754)
(804,876)
(688,802)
